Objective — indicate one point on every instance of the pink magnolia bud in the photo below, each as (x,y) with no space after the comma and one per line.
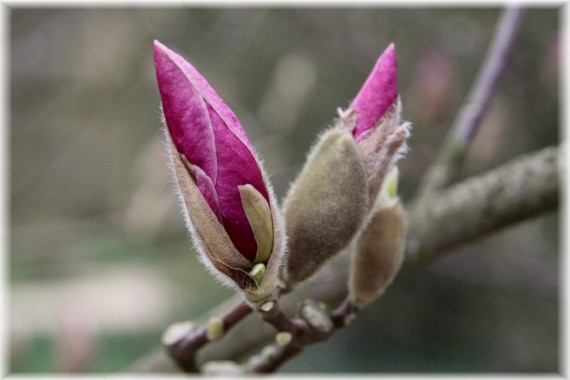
(211,153)
(377,95)
(374,119)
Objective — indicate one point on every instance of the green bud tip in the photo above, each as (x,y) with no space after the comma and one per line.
(215,328)
(257,272)
(259,216)
(283,338)
(392,183)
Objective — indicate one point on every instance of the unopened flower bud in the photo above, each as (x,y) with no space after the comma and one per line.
(373,118)
(378,252)
(373,253)
(228,202)
(325,206)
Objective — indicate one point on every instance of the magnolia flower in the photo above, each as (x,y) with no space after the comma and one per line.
(374,119)
(228,202)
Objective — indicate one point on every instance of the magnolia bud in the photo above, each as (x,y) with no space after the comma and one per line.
(378,252)
(227,199)
(325,206)
(373,118)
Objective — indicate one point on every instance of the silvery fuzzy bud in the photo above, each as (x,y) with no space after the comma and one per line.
(325,205)
(323,209)
(373,118)
(231,211)
(378,251)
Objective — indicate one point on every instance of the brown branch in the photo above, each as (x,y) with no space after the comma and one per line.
(281,322)
(518,190)
(182,344)
(321,325)
(467,122)
(345,313)
(524,188)
(272,357)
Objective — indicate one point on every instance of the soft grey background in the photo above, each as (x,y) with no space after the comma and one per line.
(99,259)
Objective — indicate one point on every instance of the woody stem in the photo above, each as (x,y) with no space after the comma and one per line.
(183,348)
(319,324)
(469,118)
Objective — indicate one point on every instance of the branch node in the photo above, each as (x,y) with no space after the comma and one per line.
(345,313)
(318,317)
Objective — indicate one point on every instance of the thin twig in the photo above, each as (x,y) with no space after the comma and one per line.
(467,122)
(272,357)
(345,313)
(282,322)
(183,348)
(321,326)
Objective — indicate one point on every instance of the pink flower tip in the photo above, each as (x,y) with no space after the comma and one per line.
(378,93)
(212,141)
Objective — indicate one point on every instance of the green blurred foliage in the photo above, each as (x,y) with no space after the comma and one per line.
(90,195)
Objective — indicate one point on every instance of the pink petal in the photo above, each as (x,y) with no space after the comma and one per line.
(378,92)
(185,112)
(210,96)
(237,166)
(244,243)
(206,131)
(207,189)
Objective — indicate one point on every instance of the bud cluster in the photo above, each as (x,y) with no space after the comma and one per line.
(334,201)
(340,199)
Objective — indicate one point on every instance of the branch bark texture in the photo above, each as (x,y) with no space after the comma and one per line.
(518,190)
(467,122)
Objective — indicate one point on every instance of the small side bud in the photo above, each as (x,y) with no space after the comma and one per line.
(325,206)
(378,253)
(267,306)
(283,338)
(215,328)
(257,272)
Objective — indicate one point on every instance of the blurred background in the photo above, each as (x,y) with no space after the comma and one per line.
(99,260)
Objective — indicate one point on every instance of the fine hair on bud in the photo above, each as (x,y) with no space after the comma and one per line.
(382,147)
(325,206)
(230,209)
(378,252)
